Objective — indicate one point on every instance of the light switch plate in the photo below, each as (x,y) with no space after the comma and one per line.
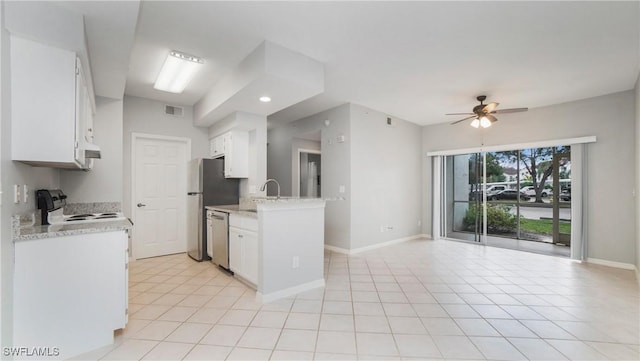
(341,189)
(25,193)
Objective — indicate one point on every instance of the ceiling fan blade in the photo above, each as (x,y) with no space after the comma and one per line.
(489,107)
(462,120)
(512,110)
(491,118)
(459,113)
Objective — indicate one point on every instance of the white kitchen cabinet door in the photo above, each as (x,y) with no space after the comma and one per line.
(235,251)
(217,147)
(243,247)
(236,156)
(250,256)
(50,103)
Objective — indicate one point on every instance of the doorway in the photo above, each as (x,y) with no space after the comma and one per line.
(309,173)
(518,199)
(158,194)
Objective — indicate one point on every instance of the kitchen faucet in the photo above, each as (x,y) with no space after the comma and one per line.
(264,186)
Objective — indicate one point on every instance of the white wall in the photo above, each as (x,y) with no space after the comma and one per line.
(610,161)
(256,125)
(104,182)
(148,117)
(386,188)
(336,165)
(378,165)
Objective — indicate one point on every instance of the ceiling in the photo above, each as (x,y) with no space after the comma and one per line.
(412,60)
(110,32)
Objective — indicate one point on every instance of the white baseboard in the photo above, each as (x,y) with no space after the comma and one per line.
(604,262)
(336,249)
(374,246)
(270,297)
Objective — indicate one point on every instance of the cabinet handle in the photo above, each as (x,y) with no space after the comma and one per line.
(240,236)
(140,205)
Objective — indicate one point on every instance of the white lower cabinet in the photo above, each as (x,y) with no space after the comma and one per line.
(70,292)
(243,247)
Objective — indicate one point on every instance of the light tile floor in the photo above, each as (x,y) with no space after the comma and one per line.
(416,300)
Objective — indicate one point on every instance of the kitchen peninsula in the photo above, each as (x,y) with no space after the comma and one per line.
(289,252)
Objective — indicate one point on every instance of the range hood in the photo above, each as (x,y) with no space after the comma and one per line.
(91,151)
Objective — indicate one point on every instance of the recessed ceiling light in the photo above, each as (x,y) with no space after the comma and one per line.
(265,99)
(177,71)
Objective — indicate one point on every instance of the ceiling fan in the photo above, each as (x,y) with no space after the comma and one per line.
(483,114)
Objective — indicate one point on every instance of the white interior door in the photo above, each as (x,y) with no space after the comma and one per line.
(159,196)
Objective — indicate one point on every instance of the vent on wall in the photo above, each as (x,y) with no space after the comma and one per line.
(173,110)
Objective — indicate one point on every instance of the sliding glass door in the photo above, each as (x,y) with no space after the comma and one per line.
(519,199)
(463,196)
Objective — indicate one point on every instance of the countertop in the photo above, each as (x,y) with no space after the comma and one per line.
(40,232)
(250,206)
(232,208)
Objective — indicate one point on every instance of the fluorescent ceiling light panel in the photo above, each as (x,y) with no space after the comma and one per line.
(177,71)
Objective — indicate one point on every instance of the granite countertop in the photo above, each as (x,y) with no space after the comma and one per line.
(41,232)
(233,208)
(248,206)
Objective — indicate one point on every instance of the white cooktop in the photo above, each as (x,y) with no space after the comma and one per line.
(56,217)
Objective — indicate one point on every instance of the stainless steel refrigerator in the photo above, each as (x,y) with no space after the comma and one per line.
(207,187)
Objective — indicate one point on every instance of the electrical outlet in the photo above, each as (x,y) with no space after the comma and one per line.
(16,193)
(381,229)
(295,262)
(25,193)
(341,189)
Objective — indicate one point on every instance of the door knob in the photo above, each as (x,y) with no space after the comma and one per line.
(140,205)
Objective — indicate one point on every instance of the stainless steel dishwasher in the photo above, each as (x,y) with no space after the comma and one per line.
(220,225)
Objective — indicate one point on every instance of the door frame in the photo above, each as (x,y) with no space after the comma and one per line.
(135,137)
(303,150)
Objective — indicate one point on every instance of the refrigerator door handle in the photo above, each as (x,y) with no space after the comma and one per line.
(193,193)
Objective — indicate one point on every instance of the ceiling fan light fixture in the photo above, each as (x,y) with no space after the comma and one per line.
(475,123)
(177,71)
(485,122)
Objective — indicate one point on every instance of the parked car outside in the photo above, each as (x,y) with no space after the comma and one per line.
(477,194)
(531,191)
(566,195)
(495,189)
(508,194)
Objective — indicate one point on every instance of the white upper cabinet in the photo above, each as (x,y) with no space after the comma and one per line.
(51,108)
(234,147)
(217,147)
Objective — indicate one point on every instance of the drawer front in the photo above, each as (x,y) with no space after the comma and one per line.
(243,222)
